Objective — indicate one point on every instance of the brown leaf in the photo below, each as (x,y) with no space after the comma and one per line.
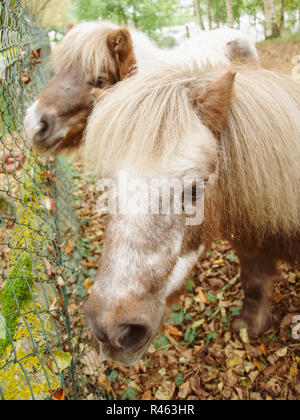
(175,331)
(184,390)
(25,78)
(166,391)
(263,349)
(273,386)
(147,396)
(195,384)
(91,362)
(36,53)
(252,351)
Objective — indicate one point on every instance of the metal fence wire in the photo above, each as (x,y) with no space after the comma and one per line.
(40,356)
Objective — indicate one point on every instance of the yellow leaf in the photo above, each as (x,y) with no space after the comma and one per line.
(294,370)
(257,365)
(60,362)
(235,361)
(244,335)
(88,284)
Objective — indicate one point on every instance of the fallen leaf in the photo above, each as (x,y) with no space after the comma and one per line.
(174,331)
(60,362)
(184,390)
(60,281)
(147,396)
(69,248)
(36,53)
(257,365)
(91,362)
(195,384)
(88,284)
(166,391)
(282,352)
(219,262)
(253,375)
(244,335)
(233,362)
(57,395)
(201,297)
(263,350)
(294,370)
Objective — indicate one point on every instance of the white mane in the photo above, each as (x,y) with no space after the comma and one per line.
(86,44)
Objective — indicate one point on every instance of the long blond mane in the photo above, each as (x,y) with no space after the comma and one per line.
(85,47)
(142,122)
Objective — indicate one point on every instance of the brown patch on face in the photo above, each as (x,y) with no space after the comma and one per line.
(120,45)
(212,103)
(69,27)
(239,51)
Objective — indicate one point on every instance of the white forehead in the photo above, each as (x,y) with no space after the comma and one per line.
(196,150)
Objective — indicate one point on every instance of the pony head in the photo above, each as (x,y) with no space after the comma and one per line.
(163,132)
(91,58)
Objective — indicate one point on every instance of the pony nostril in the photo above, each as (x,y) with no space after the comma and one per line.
(133,336)
(101,336)
(44,128)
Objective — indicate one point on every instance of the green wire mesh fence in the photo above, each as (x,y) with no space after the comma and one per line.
(40,356)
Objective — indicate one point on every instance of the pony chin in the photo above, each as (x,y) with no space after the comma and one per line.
(123,358)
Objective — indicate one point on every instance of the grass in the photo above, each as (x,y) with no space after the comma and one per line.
(285,38)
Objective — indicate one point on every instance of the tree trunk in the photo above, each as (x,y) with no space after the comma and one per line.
(271,27)
(230,17)
(209,14)
(188,35)
(282,16)
(199,14)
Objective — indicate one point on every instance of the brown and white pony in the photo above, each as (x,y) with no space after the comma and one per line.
(94,56)
(240,132)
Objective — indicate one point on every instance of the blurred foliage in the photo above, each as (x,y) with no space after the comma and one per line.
(151,15)
(145,15)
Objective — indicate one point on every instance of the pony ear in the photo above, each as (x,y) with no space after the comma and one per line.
(212,103)
(120,45)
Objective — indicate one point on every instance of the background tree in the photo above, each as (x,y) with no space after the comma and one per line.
(208,3)
(199,14)
(230,17)
(271,26)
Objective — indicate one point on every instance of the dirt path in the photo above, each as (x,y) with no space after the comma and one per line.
(278,56)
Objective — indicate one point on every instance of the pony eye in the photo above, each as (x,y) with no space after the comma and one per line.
(195,192)
(99,83)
